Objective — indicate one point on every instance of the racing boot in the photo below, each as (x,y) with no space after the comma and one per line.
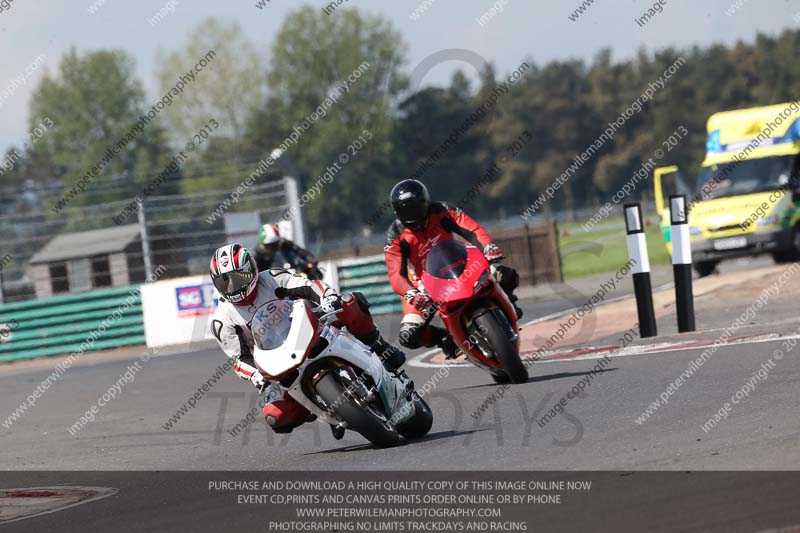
(449,348)
(393,358)
(437,336)
(508,279)
(518,309)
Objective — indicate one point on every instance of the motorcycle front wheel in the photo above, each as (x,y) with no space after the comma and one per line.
(420,424)
(356,414)
(496,334)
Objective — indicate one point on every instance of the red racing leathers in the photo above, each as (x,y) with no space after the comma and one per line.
(406,250)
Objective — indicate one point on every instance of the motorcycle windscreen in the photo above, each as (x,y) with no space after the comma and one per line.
(271,324)
(446,260)
(451,270)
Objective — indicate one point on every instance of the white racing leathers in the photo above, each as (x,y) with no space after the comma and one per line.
(229,325)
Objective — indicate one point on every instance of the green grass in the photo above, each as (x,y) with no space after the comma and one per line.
(605,250)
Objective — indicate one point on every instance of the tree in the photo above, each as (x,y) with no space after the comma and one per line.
(93,103)
(428,119)
(227,90)
(350,65)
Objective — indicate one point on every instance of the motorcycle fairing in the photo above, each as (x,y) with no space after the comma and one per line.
(302,335)
(346,348)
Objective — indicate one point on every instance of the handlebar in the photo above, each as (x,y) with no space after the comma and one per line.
(303,293)
(343,299)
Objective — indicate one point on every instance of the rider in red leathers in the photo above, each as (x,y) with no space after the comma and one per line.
(420,225)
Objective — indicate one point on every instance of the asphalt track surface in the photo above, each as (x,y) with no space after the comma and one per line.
(597,431)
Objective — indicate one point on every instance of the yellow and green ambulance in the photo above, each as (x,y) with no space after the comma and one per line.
(744,201)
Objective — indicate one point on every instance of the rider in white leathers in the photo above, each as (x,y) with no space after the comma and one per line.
(243,290)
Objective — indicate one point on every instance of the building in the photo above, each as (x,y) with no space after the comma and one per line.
(86,260)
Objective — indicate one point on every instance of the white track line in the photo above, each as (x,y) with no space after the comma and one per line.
(418,361)
(637,349)
(666,347)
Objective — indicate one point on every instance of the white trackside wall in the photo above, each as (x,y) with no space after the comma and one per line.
(177,311)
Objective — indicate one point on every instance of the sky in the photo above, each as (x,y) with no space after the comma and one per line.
(505,32)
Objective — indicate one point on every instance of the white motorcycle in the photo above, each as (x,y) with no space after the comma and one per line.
(334,375)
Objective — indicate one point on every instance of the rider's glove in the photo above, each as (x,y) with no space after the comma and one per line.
(258,380)
(330,303)
(493,253)
(417,299)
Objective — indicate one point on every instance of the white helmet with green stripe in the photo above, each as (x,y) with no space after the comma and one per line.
(269,234)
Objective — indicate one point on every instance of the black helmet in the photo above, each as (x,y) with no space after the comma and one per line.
(410,201)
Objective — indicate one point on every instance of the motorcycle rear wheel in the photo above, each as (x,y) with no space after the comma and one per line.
(359,418)
(496,334)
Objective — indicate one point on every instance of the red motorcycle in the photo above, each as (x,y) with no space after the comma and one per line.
(476,312)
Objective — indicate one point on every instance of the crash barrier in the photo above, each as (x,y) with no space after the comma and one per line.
(642,287)
(96,320)
(681,262)
(368,276)
(176,311)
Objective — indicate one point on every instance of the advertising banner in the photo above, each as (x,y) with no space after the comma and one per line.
(177,311)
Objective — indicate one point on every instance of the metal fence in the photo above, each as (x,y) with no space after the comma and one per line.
(174,231)
(181,238)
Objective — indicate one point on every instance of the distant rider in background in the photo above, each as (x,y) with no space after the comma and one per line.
(273,251)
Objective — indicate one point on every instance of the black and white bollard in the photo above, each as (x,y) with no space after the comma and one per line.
(681,262)
(642,288)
